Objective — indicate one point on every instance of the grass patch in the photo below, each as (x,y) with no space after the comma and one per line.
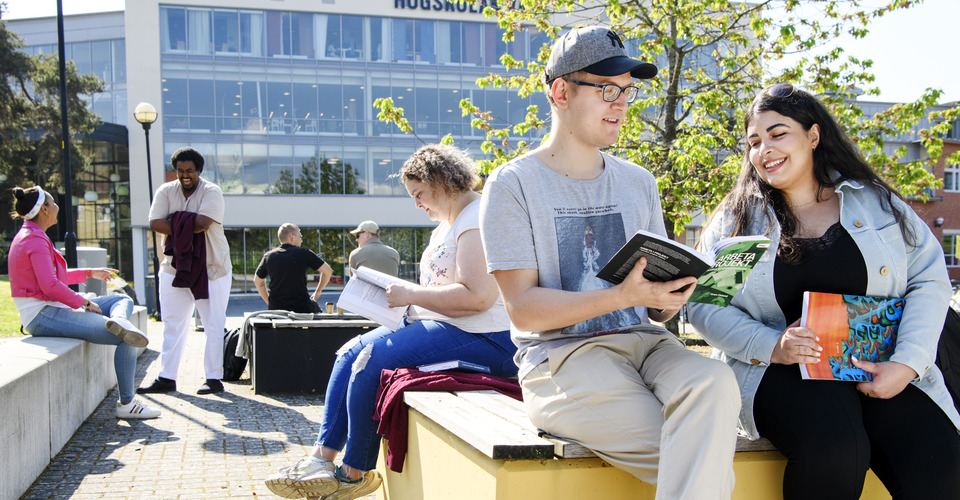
(9,319)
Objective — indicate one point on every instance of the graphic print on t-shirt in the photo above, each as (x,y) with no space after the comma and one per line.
(584,245)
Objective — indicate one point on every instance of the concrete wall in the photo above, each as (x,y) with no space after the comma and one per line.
(48,388)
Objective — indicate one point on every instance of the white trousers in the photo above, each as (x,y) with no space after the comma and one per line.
(176,311)
(645,404)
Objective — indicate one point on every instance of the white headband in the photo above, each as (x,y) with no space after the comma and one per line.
(36,207)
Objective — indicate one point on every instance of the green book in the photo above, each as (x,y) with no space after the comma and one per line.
(721,273)
(734,258)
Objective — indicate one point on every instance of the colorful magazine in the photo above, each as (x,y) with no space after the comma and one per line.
(849,325)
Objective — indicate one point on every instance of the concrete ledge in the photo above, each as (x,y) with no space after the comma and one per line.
(48,388)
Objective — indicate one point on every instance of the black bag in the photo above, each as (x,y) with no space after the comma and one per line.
(233,365)
(948,354)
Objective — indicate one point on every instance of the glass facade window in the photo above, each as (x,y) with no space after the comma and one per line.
(173,29)
(119,62)
(226,31)
(175,104)
(301,120)
(951,178)
(255,174)
(378,32)
(229,168)
(493,44)
(306,169)
(290,34)
(951,249)
(354,106)
(450,42)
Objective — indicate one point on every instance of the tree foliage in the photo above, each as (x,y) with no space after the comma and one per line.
(30,131)
(714,56)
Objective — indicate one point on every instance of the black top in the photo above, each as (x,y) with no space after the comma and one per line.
(287,267)
(831,263)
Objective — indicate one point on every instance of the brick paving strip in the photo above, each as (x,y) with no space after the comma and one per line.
(202,447)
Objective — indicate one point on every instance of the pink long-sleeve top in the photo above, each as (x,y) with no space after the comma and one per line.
(37,270)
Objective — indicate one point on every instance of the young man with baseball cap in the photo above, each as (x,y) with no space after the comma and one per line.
(592,366)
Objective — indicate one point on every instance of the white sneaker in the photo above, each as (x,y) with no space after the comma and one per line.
(307,478)
(367,484)
(123,328)
(135,410)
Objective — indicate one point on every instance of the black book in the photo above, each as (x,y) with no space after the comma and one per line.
(731,260)
(454,364)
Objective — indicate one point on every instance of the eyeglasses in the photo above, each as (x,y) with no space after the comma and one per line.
(781,90)
(611,92)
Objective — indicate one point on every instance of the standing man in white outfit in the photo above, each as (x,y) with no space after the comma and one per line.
(190,193)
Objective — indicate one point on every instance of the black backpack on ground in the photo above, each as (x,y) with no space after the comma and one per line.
(948,354)
(233,365)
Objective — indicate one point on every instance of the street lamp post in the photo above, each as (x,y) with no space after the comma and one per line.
(69,237)
(146,114)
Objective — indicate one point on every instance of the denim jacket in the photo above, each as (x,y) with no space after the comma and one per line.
(744,334)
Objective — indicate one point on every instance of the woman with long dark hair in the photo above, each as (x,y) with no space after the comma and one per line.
(49,308)
(836,227)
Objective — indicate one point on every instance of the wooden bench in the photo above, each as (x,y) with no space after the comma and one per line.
(481,445)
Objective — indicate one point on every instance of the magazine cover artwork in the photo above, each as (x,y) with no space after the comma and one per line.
(850,325)
(732,265)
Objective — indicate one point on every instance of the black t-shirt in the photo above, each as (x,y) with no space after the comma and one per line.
(287,267)
(831,263)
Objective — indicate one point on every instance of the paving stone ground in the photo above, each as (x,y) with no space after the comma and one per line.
(202,447)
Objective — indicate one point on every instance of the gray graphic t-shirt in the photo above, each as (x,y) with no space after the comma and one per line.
(534,218)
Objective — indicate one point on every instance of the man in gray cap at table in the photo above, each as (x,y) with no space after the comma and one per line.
(371,252)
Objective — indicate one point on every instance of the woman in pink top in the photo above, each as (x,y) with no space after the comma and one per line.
(49,308)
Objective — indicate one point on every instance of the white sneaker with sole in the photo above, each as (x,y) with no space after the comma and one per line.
(135,410)
(306,478)
(367,484)
(129,334)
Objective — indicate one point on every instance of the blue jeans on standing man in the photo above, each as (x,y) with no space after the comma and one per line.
(352,390)
(92,327)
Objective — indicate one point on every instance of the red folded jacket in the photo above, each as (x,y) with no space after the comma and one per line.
(392,413)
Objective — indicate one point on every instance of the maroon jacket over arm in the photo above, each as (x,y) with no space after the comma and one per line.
(392,413)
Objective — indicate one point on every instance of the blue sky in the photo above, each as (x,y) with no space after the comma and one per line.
(911,50)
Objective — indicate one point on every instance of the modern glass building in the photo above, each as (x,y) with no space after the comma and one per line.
(279,99)
(278,96)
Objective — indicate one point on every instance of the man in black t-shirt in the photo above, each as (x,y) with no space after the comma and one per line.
(287,267)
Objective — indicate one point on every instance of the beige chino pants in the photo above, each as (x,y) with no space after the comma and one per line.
(645,404)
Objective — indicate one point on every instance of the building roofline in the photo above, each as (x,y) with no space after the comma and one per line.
(65,16)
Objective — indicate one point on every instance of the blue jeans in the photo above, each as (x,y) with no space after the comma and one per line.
(352,390)
(90,326)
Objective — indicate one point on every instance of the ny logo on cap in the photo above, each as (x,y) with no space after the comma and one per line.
(614,39)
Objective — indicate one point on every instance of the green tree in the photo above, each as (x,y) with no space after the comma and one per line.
(30,133)
(714,56)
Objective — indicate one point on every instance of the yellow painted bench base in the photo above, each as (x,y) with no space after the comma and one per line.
(441,466)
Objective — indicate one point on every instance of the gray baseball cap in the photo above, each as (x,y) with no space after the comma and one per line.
(596,50)
(368,226)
